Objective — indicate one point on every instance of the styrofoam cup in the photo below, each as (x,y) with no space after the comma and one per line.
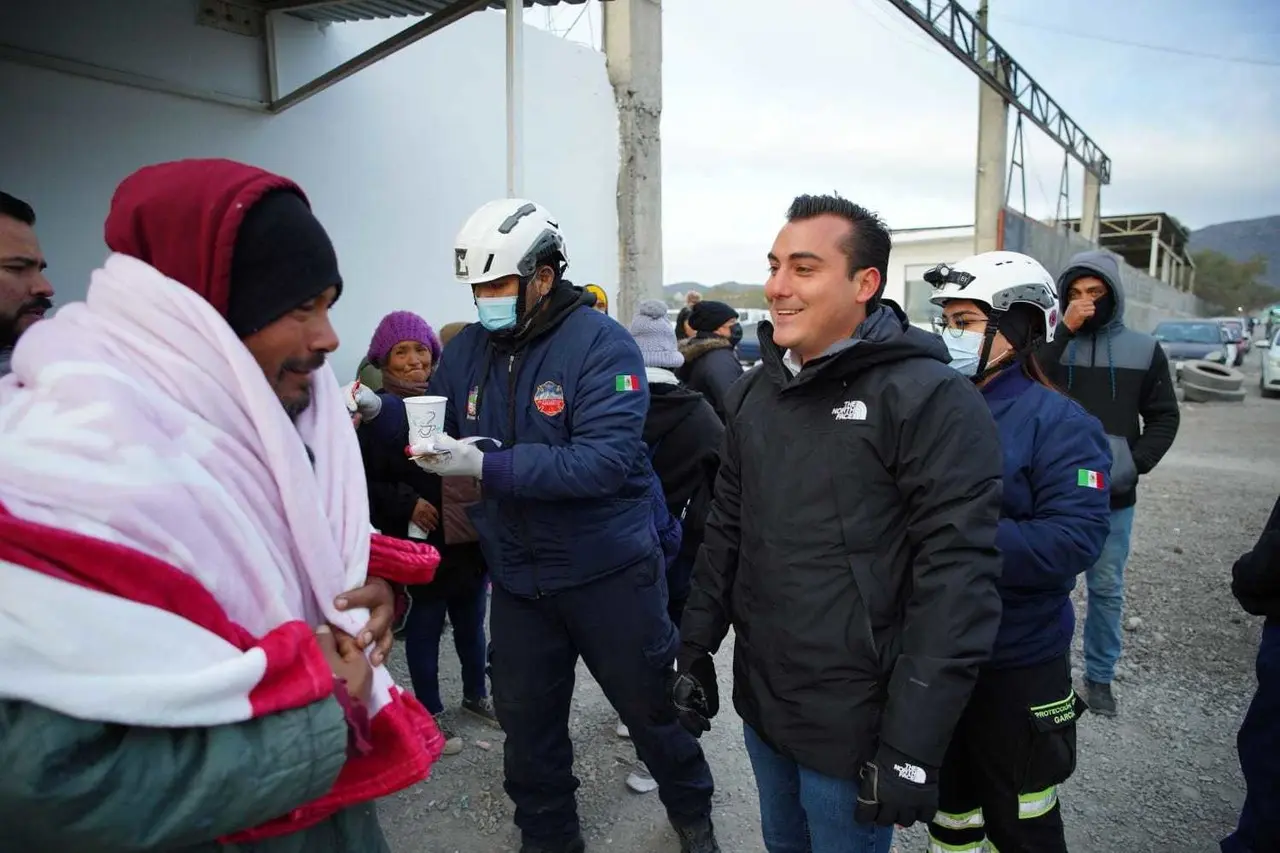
(426,417)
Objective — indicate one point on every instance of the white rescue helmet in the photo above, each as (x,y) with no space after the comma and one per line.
(507,237)
(998,280)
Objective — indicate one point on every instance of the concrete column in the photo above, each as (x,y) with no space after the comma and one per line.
(633,55)
(1089,215)
(993,134)
(1155,254)
(1166,265)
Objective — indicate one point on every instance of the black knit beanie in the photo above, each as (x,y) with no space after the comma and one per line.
(282,258)
(709,316)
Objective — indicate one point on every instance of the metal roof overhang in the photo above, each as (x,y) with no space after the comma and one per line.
(338,11)
(439,14)
(434,15)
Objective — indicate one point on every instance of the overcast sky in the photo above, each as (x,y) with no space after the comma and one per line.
(762,104)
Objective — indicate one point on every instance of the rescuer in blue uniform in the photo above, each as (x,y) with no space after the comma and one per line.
(1015,743)
(566,522)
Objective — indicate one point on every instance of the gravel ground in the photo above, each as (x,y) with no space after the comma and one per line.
(1162,777)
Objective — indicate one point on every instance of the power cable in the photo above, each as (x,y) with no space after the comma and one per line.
(1217,57)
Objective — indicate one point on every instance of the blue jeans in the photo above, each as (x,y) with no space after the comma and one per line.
(1259,746)
(802,811)
(1102,629)
(422,645)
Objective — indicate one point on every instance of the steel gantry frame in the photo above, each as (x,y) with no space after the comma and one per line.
(953,27)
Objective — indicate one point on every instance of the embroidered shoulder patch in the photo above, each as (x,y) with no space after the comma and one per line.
(627,383)
(548,398)
(1087,479)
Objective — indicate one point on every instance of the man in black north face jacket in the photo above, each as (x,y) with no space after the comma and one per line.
(850,542)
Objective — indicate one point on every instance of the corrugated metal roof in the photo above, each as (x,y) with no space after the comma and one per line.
(368,10)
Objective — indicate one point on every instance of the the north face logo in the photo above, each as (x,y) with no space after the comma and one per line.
(853,410)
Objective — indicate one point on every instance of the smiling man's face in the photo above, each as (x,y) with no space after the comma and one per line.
(25,293)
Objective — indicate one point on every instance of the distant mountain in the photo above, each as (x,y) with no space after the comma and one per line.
(1242,240)
(683,287)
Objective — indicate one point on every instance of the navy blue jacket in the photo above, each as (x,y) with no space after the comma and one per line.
(1052,523)
(568,497)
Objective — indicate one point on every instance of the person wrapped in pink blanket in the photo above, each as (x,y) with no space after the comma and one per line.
(195,610)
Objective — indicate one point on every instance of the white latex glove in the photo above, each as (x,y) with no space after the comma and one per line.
(362,400)
(447,457)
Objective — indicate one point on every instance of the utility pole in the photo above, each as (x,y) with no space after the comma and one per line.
(633,57)
(993,132)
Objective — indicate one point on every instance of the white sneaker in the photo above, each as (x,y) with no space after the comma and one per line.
(640,780)
(623,731)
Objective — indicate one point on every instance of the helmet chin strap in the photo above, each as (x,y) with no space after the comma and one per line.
(985,367)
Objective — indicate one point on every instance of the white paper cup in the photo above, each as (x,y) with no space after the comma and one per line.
(426,417)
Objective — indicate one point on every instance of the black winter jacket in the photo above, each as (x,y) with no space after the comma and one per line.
(710,367)
(1255,578)
(851,545)
(684,436)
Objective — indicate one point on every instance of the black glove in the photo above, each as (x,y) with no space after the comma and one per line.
(693,691)
(895,789)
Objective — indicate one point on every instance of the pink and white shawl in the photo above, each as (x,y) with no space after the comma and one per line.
(166,544)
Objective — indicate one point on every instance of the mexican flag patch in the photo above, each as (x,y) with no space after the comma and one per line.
(1087,479)
(627,383)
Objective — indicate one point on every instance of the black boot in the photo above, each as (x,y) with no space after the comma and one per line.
(697,837)
(576,845)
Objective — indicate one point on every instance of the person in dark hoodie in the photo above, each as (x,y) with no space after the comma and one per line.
(710,363)
(1255,582)
(851,545)
(1016,741)
(683,434)
(1122,378)
(567,522)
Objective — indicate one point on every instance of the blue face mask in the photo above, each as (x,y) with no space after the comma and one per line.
(965,349)
(497,312)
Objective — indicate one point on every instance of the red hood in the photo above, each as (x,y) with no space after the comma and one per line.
(182,218)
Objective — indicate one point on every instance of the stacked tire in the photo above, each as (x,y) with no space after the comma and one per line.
(1211,382)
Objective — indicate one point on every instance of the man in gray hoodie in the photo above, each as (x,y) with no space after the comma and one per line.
(25,294)
(1122,378)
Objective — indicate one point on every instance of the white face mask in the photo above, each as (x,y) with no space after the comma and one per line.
(965,349)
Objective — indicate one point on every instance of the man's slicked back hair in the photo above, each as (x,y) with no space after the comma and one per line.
(16,208)
(869,242)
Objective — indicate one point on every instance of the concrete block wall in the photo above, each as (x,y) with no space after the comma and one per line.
(1147,300)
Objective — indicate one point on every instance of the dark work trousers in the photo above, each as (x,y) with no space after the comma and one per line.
(1259,745)
(619,626)
(1014,744)
(423,630)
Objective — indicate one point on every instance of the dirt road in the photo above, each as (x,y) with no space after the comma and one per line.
(1161,778)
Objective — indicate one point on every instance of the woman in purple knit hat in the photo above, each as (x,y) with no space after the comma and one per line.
(408,502)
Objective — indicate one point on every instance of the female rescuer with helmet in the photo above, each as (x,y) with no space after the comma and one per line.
(1016,741)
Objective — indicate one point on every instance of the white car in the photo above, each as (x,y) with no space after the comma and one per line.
(1270,383)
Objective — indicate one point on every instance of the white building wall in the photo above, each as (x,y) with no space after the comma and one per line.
(913,253)
(393,159)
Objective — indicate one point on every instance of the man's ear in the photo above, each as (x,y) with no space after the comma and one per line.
(868,284)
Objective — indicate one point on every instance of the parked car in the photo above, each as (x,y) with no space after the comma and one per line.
(1237,335)
(1270,383)
(749,346)
(1189,340)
